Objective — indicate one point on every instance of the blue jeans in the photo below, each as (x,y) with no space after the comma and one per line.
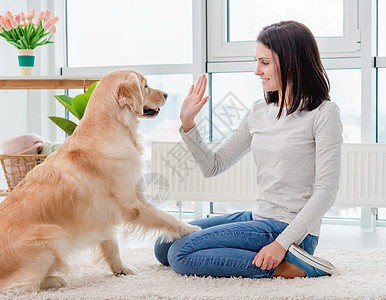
(225,247)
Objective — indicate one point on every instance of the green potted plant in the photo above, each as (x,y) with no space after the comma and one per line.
(75,106)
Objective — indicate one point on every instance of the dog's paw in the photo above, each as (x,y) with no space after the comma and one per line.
(53,282)
(195,228)
(188,229)
(124,270)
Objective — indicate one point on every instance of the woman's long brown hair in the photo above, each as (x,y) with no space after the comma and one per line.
(300,66)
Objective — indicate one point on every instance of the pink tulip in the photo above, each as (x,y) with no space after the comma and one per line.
(6,21)
(14,24)
(26,22)
(7,27)
(41,16)
(22,16)
(53,29)
(47,25)
(54,20)
(8,14)
(31,14)
(18,18)
(47,15)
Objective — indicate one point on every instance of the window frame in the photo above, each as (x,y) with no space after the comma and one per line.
(220,50)
(197,67)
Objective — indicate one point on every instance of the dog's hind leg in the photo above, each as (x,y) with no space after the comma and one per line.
(33,276)
(110,252)
(40,253)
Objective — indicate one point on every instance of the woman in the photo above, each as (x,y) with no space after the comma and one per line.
(295,136)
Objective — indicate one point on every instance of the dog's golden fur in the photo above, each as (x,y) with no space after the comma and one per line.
(84,190)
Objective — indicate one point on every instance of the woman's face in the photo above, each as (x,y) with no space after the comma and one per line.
(267,68)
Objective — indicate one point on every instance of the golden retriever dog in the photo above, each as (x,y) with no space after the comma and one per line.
(84,190)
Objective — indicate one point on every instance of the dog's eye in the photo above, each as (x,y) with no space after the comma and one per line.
(145,86)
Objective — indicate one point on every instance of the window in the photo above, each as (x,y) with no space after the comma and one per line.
(381,85)
(234,25)
(154,41)
(129,32)
(381,63)
(382,214)
(348,100)
(382,106)
(247,18)
(382,28)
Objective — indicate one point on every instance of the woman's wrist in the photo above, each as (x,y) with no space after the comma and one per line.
(188,125)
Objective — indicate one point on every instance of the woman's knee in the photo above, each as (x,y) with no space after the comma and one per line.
(176,258)
(161,249)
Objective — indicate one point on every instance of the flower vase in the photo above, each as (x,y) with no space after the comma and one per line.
(26,61)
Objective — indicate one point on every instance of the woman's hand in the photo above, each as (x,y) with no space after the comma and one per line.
(269,256)
(193,104)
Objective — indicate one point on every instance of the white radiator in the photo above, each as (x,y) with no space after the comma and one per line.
(363,175)
(362,183)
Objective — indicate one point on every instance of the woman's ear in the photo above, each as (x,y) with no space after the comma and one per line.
(129,94)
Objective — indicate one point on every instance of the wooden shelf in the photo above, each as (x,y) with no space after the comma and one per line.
(41,82)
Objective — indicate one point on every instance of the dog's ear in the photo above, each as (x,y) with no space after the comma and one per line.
(129,94)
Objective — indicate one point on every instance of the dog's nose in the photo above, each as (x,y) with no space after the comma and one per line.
(165,95)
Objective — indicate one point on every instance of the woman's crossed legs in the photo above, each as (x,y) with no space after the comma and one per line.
(225,247)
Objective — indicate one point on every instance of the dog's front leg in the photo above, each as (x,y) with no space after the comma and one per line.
(151,217)
(110,252)
(147,217)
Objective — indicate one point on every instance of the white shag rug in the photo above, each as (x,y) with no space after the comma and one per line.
(363,277)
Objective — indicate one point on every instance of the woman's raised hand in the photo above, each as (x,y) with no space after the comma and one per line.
(193,104)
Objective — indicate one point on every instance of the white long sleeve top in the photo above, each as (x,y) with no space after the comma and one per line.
(297,163)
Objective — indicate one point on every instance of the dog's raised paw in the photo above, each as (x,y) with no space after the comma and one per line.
(188,229)
(196,228)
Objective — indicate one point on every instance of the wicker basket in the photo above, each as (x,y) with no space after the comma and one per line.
(16,167)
